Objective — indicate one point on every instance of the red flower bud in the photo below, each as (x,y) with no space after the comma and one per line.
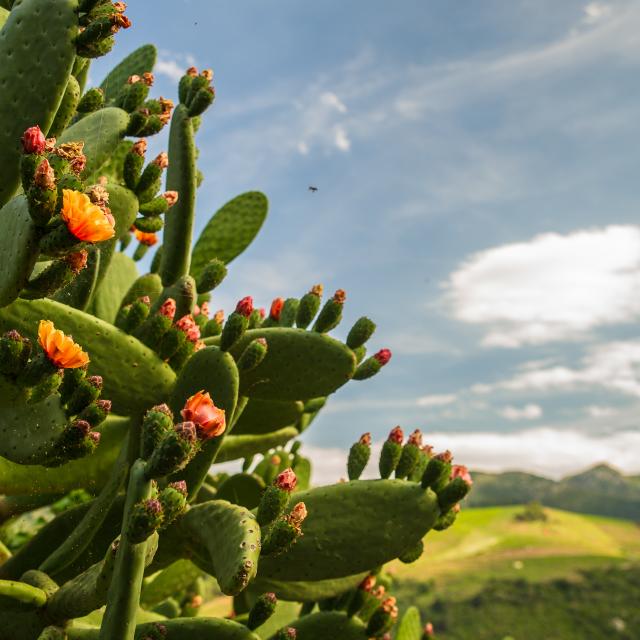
(396,435)
(168,308)
(365,439)
(446,456)
(171,197)
(33,140)
(383,356)
(180,486)
(276,308)
(245,306)
(416,438)
(188,326)
(428,629)
(287,480)
(162,160)
(460,471)
(77,261)
(368,583)
(340,296)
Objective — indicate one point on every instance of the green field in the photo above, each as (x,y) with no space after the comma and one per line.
(489,543)
(492,577)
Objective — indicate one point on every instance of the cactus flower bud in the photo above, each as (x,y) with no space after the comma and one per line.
(44,176)
(188,326)
(331,313)
(298,514)
(140,147)
(383,356)
(391,452)
(276,308)
(201,410)
(192,72)
(428,631)
(410,456)
(460,471)
(60,349)
(438,471)
(147,239)
(147,78)
(253,355)
(245,306)
(171,197)
(359,455)
(162,160)
(33,140)
(145,518)
(369,367)
(263,608)
(383,617)
(286,480)
(168,308)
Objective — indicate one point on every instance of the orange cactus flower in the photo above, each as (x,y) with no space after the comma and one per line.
(210,420)
(61,350)
(145,238)
(85,220)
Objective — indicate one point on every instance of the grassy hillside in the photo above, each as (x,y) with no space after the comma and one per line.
(600,490)
(490,543)
(492,576)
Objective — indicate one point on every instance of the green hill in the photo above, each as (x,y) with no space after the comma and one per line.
(600,490)
(493,576)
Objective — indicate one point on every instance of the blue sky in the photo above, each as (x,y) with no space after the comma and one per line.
(477,171)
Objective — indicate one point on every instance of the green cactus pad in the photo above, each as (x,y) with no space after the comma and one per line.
(235,447)
(146,285)
(244,489)
(328,624)
(101,132)
(29,430)
(230,231)
(89,473)
(173,580)
(33,75)
(78,292)
(307,591)
(113,168)
(410,627)
(119,277)
(265,416)
(190,628)
(138,62)
(223,539)
(126,364)
(299,364)
(67,108)
(18,249)
(181,177)
(214,371)
(392,515)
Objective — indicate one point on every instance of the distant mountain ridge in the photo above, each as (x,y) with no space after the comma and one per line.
(601,490)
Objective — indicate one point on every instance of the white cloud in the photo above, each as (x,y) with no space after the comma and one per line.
(342,141)
(438,400)
(528,412)
(331,100)
(554,287)
(170,68)
(596,411)
(614,366)
(595,12)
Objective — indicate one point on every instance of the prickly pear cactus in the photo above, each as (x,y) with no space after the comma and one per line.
(120,391)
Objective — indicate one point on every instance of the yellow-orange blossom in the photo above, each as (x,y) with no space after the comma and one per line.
(60,349)
(85,220)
